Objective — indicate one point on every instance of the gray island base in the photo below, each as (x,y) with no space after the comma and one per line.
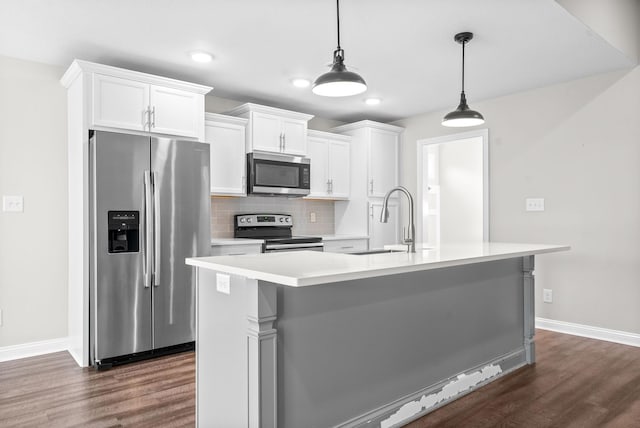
(375,351)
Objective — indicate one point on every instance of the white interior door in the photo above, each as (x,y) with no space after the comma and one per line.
(453,188)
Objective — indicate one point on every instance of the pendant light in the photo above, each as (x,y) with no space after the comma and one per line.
(463,115)
(339,82)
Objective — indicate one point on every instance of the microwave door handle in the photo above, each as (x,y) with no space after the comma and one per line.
(148,235)
(156,230)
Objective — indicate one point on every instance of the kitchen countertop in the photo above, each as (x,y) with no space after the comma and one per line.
(305,268)
(235,241)
(339,237)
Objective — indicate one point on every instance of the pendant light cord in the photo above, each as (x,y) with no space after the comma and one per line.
(463,43)
(338,20)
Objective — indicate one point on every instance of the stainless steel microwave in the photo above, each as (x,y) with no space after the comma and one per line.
(278,175)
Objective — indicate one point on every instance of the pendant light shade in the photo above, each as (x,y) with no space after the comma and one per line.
(339,82)
(463,116)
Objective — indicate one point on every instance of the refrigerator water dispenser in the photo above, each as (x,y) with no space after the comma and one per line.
(124,231)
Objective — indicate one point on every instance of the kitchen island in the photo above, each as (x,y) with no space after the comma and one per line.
(312,339)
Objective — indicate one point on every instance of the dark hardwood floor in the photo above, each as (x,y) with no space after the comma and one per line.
(576,382)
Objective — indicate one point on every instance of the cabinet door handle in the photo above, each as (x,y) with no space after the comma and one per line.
(348,247)
(235,254)
(331,186)
(281,138)
(371,186)
(328,186)
(371,212)
(284,142)
(146,119)
(153,117)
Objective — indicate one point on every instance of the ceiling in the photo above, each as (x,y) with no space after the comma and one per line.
(403,49)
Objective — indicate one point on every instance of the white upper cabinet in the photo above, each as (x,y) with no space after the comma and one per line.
(294,136)
(128,100)
(373,172)
(382,162)
(226,135)
(174,111)
(330,165)
(339,168)
(274,130)
(266,132)
(319,155)
(120,103)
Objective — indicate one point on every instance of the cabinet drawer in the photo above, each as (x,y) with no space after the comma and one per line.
(235,250)
(346,245)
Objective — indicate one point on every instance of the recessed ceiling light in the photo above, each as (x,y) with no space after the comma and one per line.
(199,56)
(300,83)
(372,101)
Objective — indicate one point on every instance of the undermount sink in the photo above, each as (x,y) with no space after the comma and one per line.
(364,253)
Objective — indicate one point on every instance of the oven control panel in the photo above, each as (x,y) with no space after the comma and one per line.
(253,220)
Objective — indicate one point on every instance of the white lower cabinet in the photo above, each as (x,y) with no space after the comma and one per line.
(348,245)
(226,136)
(381,234)
(235,250)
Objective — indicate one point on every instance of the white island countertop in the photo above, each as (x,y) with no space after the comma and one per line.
(304,268)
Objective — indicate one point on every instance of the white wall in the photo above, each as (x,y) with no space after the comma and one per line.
(577,145)
(617,21)
(33,163)
(461,186)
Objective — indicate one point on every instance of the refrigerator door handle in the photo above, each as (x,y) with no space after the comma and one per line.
(156,230)
(148,235)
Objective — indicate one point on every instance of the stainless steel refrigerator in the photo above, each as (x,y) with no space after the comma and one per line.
(149,211)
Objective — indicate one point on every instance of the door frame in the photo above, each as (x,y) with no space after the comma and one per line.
(423,143)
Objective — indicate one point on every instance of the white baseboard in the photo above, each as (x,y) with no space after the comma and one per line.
(32,349)
(599,333)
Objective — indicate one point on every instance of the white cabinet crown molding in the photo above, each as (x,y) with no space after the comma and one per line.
(79,66)
(367,124)
(250,107)
(330,135)
(222,118)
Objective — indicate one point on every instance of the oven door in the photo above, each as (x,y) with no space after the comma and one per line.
(279,248)
(276,174)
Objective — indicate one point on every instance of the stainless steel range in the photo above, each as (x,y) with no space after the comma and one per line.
(275,229)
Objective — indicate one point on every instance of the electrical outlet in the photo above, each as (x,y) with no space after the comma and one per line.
(223,283)
(534,204)
(13,204)
(547,295)
(312,217)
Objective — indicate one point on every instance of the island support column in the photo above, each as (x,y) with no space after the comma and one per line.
(528,265)
(262,348)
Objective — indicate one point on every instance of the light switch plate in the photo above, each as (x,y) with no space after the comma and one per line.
(312,217)
(223,283)
(12,204)
(534,204)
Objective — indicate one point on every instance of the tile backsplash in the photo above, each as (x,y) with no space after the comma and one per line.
(224,208)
